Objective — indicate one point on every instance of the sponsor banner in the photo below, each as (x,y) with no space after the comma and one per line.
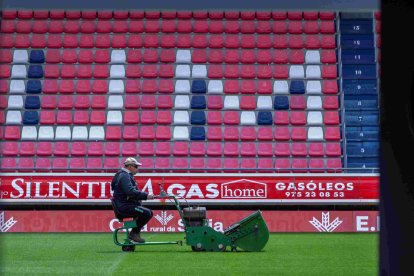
(207,188)
(170,221)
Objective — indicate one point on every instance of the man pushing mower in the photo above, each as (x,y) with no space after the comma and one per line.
(127,198)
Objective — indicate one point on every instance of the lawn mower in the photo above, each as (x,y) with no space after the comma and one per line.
(248,234)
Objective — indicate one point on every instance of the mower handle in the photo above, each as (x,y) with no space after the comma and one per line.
(163,196)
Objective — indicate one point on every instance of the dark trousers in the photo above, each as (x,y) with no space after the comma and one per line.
(140,214)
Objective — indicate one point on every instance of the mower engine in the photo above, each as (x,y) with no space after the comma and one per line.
(194,216)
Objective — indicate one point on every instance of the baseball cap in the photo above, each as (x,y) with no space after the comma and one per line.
(131,161)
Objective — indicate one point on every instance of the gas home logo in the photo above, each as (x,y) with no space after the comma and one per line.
(243,188)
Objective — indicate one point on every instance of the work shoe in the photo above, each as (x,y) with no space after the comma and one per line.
(135,236)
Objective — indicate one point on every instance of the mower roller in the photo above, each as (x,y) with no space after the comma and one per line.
(248,234)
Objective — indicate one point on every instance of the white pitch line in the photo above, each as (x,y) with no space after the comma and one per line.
(120,258)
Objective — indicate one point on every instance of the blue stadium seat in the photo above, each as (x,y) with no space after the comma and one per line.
(360,102)
(350,41)
(359,71)
(362,149)
(199,86)
(359,87)
(362,162)
(37,56)
(362,118)
(32,102)
(356,26)
(297,87)
(264,118)
(281,103)
(35,71)
(362,133)
(197,133)
(198,102)
(30,118)
(34,87)
(358,56)
(198,118)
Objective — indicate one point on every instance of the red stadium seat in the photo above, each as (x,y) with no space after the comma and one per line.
(231,165)
(283,164)
(298,134)
(27,149)
(197,165)
(162,163)
(282,149)
(78,149)
(299,149)
(77,164)
(231,149)
(60,164)
(248,165)
(164,149)
(80,117)
(180,149)
(112,148)
(112,163)
(61,149)
(316,165)
(97,117)
(130,149)
(113,133)
(44,149)
(265,149)
(12,133)
(130,132)
(8,164)
(298,118)
(214,164)
(282,133)
(43,164)
(334,165)
(316,149)
(10,149)
(96,149)
(180,164)
(333,149)
(299,165)
(214,133)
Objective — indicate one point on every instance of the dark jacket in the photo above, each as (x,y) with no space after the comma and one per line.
(125,188)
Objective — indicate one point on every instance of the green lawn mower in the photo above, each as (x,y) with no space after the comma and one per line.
(249,234)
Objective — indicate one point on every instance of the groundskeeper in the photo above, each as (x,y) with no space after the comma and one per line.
(128,197)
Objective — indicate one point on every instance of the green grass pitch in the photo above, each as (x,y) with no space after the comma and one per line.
(96,254)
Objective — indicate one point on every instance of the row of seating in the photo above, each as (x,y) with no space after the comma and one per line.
(145,117)
(168,26)
(312,149)
(130,86)
(167,14)
(231,41)
(150,55)
(160,132)
(281,102)
(182,71)
(246,165)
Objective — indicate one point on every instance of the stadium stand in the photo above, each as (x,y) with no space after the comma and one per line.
(190,91)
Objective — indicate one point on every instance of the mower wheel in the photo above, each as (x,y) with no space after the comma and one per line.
(128,248)
(195,249)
